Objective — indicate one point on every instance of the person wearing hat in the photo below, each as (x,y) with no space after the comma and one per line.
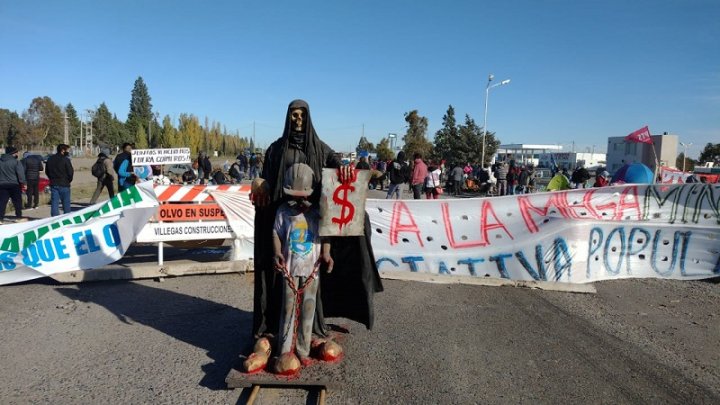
(298,252)
(12,177)
(602,179)
(106,176)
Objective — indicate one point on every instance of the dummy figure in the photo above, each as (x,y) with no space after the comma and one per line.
(348,291)
(297,256)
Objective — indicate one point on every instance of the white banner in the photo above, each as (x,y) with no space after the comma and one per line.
(576,236)
(169,156)
(342,206)
(181,231)
(85,239)
(670,176)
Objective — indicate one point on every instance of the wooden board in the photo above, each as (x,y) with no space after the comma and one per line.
(316,375)
(237,379)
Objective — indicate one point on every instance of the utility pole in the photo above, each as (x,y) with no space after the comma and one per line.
(254,144)
(66,138)
(80,144)
(363,130)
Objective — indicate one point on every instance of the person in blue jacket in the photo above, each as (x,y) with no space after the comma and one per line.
(123,166)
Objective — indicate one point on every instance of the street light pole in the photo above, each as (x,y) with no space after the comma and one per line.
(392,137)
(487,97)
(685,146)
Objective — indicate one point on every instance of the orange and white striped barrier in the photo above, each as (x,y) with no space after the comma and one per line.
(188,213)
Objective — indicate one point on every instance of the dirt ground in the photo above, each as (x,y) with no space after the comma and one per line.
(634,342)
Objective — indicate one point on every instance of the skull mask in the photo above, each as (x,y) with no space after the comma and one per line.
(298,118)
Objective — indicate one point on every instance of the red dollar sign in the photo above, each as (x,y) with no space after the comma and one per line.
(346,205)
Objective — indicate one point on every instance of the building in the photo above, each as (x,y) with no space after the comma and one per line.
(620,152)
(571,160)
(525,153)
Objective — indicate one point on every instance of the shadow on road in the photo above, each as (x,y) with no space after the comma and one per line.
(223,331)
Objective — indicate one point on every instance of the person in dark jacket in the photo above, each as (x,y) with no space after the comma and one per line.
(204,168)
(12,177)
(123,167)
(580,177)
(105,181)
(523,181)
(399,174)
(60,172)
(218,176)
(33,166)
(363,164)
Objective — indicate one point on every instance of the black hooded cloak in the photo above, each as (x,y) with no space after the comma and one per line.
(346,292)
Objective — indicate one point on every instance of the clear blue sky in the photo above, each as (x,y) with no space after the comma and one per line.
(581,70)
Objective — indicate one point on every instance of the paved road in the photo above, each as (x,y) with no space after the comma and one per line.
(635,341)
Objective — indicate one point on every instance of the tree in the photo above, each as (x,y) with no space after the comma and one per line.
(491,146)
(447,139)
(416,136)
(365,145)
(168,137)
(12,127)
(140,108)
(155,132)
(44,121)
(104,126)
(689,163)
(191,133)
(383,150)
(140,138)
(711,153)
(73,122)
(470,141)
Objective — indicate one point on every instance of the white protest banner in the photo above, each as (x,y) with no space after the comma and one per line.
(181,231)
(342,206)
(673,176)
(240,214)
(575,236)
(166,156)
(238,210)
(85,239)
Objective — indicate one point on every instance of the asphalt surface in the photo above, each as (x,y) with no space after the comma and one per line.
(635,341)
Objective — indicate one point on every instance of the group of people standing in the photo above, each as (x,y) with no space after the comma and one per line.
(428,179)
(580,178)
(246,167)
(16,174)
(514,179)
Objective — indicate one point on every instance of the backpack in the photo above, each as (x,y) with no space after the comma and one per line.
(98,169)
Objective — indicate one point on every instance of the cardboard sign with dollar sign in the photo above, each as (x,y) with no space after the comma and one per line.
(342,206)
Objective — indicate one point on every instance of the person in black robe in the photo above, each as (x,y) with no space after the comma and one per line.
(346,292)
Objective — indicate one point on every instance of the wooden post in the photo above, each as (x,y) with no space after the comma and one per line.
(657,163)
(161,253)
(253,395)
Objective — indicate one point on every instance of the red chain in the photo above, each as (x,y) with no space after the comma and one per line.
(298,297)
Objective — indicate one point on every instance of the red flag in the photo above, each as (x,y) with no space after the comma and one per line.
(642,135)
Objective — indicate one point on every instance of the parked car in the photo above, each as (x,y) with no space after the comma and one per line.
(177,169)
(43,185)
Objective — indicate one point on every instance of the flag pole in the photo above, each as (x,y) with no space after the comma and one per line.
(657,163)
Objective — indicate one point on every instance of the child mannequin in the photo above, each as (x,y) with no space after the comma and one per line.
(298,253)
